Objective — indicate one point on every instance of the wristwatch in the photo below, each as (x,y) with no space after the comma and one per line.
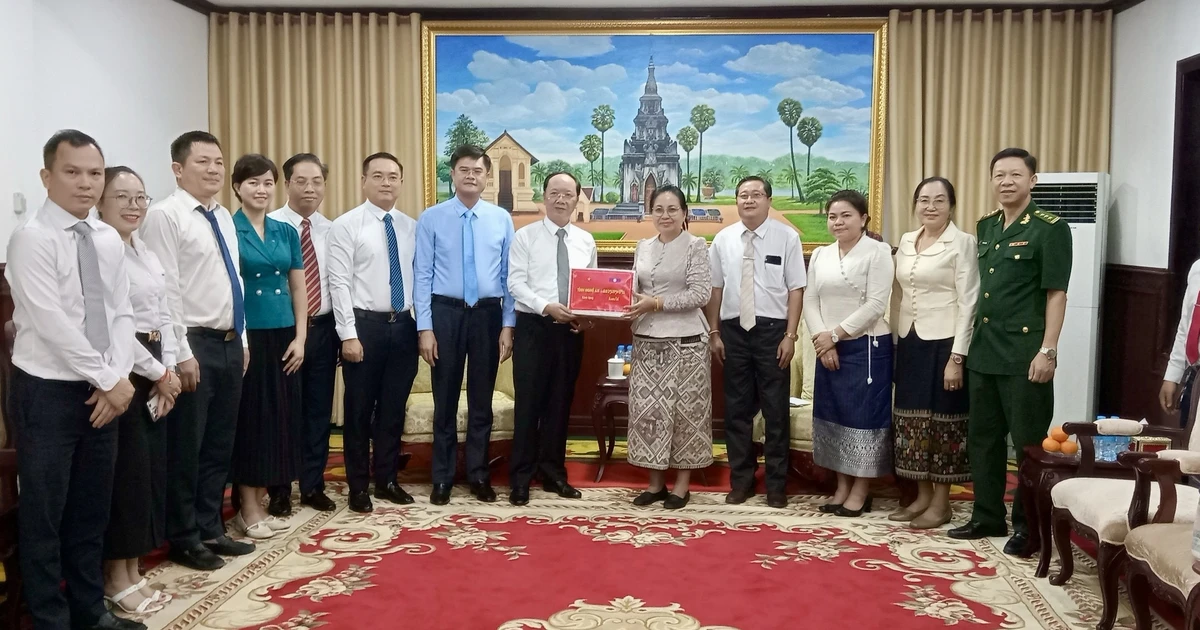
(833,336)
(956,358)
(791,336)
(1051,353)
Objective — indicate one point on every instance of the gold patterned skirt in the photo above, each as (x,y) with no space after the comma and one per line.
(670,403)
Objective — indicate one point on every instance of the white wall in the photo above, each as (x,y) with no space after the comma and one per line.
(131,73)
(1148,41)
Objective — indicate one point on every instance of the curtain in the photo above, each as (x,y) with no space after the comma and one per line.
(342,86)
(965,84)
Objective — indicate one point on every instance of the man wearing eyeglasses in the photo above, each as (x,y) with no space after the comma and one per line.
(370,258)
(547,347)
(465,316)
(758,281)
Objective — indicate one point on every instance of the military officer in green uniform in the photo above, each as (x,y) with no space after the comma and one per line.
(1024,266)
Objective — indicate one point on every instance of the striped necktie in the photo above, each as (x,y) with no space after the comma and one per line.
(312,270)
(395,275)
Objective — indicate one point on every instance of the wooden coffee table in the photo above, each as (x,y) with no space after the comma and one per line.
(609,392)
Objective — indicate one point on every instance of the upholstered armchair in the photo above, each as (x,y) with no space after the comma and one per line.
(1097,509)
(418,421)
(804,366)
(1159,549)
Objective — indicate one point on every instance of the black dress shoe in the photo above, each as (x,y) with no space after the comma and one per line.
(1016,546)
(360,502)
(519,496)
(226,546)
(483,491)
(975,531)
(829,508)
(280,505)
(394,493)
(674,501)
(109,621)
(318,501)
(738,496)
(844,511)
(198,558)
(440,494)
(777,500)
(647,497)
(561,488)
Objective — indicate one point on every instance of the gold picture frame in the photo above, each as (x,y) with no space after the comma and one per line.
(878,89)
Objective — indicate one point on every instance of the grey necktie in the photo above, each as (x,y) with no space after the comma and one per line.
(564,268)
(95,319)
(746,309)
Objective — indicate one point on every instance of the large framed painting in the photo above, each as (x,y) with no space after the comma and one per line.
(629,106)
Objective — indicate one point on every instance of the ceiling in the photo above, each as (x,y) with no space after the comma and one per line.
(594,4)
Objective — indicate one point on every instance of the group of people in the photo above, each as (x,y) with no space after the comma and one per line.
(166,349)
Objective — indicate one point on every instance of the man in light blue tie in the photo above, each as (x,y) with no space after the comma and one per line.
(464,311)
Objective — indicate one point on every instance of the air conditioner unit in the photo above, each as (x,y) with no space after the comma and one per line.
(1081,200)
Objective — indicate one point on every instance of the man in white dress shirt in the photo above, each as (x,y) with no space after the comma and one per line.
(71,361)
(758,284)
(304,175)
(196,242)
(370,256)
(1185,352)
(547,347)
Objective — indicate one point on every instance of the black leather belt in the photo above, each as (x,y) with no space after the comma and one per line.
(482,303)
(224,335)
(683,340)
(389,317)
(149,337)
(320,319)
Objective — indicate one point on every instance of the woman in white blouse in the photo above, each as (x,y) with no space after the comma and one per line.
(137,520)
(933,312)
(670,383)
(848,285)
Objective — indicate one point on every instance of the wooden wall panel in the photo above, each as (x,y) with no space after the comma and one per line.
(1139,314)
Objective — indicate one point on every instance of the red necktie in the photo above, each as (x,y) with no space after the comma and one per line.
(1193,338)
(312,271)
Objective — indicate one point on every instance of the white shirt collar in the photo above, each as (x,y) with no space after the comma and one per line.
(553,228)
(375,210)
(193,203)
(63,220)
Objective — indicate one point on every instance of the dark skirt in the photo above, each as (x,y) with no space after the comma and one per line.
(930,422)
(137,520)
(852,419)
(265,453)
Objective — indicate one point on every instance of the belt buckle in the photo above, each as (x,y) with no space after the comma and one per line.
(392,317)
(154,335)
(230,336)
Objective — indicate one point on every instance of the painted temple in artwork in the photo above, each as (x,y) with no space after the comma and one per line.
(651,157)
(510,183)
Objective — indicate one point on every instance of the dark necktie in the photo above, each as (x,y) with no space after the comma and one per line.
(395,275)
(239,305)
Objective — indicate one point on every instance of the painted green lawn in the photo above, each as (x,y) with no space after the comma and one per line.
(608,236)
(783,203)
(813,226)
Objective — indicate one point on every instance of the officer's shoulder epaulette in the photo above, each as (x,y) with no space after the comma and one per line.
(1048,217)
(990,215)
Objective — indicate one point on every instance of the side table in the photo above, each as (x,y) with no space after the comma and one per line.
(609,392)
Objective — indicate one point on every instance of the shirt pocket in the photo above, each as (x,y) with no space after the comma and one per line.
(983,248)
(1026,326)
(1020,263)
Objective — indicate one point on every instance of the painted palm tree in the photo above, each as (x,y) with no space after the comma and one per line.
(537,175)
(848,178)
(737,173)
(687,137)
(767,175)
(789,114)
(590,147)
(603,118)
(703,118)
(688,182)
(808,130)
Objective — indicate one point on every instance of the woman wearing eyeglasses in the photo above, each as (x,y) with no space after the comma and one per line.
(670,397)
(933,314)
(137,519)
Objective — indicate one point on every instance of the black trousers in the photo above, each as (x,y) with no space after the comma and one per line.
(461,333)
(378,387)
(546,358)
(65,469)
(753,382)
(317,377)
(200,435)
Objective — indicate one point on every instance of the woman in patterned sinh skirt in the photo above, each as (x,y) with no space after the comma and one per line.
(670,397)
(933,310)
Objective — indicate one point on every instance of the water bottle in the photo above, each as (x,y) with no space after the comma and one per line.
(1101,443)
(628,356)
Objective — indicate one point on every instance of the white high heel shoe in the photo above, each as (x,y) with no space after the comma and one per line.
(278,524)
(258,531)
(147,605)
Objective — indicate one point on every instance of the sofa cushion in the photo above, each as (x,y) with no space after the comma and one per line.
(418,420)
(1103,504)
(1165,547)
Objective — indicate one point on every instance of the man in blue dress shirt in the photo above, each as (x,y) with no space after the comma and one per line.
(464,310)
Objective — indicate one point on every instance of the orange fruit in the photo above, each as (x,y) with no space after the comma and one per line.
(625,370)
(1058,434)
(1069,447)
(1051,445)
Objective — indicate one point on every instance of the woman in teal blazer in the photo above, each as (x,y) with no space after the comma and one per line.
(265,453)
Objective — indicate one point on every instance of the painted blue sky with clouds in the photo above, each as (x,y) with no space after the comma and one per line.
(543,88)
